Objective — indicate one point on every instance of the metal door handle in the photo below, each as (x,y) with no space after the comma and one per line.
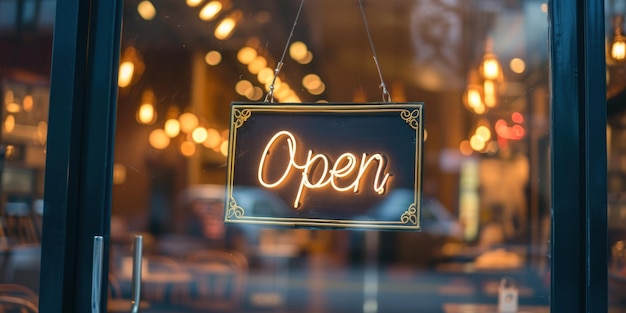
(136,282)
(96,274)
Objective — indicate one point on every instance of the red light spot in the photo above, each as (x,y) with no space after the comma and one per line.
(517,117)
(517,132)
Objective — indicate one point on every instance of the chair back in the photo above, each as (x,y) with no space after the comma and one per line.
(219,279)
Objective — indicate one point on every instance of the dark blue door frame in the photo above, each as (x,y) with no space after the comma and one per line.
(579,244)
(77,195)
(82,128)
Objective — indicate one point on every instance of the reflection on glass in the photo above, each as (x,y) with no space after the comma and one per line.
(616,132)
(25,59)
(486,163)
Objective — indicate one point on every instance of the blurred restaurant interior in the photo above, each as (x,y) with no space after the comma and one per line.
(480,67)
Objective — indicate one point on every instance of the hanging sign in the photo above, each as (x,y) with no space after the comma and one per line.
(334,166)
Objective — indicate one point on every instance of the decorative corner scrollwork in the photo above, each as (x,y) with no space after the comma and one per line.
(241,116)
(234,210)
(410,117)
(410,215)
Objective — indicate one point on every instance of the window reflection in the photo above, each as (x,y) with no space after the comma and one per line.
(486,162)
(25,58)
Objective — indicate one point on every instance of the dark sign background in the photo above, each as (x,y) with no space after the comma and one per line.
(351,128)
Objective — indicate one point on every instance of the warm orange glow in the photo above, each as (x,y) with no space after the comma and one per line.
(307,59)
(187,148)
(618,50)
(42,132)
(477,143)
(158,139)
(188,122)
(226,27)
(9,96)
(119,174)
(483,133)
(212,139)
(319,90)
(490,68)
(465,148)
(210,11)
(194,3)
(517,65)
(9,123)
(125,75)
(257,64)
(517,117)
(199,135)
(224,148)
(242,87)
(331,174)
(298,50)
(213,58)
(516,132)
(146,10)
(266,75)
(246,55)
(172,127)
(489,90)
(27,103)
(13,107)
(146,113)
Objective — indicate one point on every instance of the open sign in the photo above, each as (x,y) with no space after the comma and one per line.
(331,165)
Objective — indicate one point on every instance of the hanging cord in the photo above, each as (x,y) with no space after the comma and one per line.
(270,95)
(386,95)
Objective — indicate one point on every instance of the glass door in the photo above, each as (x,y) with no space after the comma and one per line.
(482,68)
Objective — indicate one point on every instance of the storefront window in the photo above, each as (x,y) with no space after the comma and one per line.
(616,132)
(25,58)
(481,70)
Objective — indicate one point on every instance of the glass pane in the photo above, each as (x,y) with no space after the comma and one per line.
(616,132)
(480,67)
(25,59)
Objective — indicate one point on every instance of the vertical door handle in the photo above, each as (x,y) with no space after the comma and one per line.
(136,282)
(96,274)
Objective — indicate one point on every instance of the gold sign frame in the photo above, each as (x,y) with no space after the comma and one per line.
(410,113)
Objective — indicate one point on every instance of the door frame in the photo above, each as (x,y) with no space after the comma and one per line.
(79,158)
(81,134)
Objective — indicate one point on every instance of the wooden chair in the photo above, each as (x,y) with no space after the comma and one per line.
(219,280)
(165,281)
(17,299)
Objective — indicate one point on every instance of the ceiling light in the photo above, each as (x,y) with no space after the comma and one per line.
(125,75)
(298,50)
(146,114)
(212,139)
(242,86)
(188,122)
(27,103)
(194,3)
(255,66)
(618,47)
(246,55)
(517,65)
(146,10)
(213,58)
(199,134)
(227,26)
(172,127)
(187,148)
(210,11)
(158,139)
